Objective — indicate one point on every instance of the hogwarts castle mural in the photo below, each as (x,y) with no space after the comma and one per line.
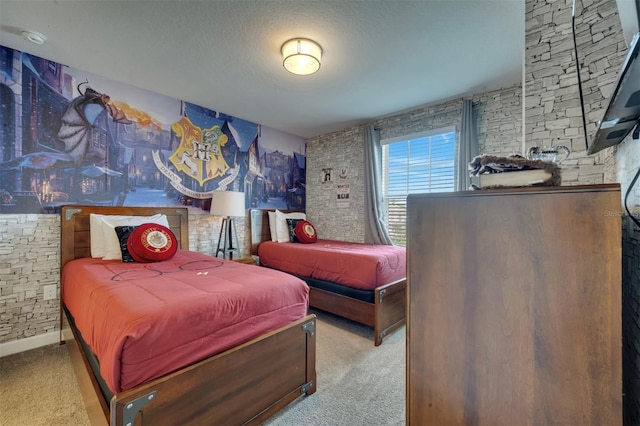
(71,137)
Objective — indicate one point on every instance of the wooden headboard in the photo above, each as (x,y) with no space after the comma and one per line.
(260,227)
(75,230)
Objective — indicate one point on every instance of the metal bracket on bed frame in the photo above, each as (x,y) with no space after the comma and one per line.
(382,293)
(305,388)
(130,410)
(309,327)
(70,212)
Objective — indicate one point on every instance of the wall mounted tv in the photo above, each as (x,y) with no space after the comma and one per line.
(623,113)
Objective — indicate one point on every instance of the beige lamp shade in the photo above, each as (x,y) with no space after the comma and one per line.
(227,203)
(301,56)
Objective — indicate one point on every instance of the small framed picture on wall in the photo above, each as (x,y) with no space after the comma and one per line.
(327,175)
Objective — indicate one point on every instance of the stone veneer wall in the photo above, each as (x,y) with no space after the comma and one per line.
(552,101)
(498,121)
(336,150)
(30,260)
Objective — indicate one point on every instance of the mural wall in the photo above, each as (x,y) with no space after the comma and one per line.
(71,137)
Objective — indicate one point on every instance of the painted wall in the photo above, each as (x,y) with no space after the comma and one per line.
(78,138)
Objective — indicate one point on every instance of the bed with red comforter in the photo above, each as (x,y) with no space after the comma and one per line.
(189,340)
(356,265)
(144,320)
(363,282)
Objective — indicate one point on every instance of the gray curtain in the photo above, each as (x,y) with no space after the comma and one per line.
(468,148)
(375,227)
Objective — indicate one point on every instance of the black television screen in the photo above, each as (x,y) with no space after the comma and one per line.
(623,112)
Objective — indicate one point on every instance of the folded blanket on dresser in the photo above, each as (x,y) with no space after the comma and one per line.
(483,165)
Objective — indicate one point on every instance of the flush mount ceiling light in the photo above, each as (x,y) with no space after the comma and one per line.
(301,56)
(33,36)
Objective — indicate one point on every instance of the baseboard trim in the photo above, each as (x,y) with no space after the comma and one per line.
(21,345)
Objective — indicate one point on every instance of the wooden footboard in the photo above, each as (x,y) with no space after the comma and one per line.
(244,385)
(385,315)
(390,307)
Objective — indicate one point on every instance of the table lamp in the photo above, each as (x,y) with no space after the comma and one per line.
(228,205)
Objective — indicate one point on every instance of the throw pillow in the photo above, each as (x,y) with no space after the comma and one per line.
(111,244)
(151,242)
(305,232)
(282,229)
(292,229)
(123,233)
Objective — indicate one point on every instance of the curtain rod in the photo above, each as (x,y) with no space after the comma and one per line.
(414,119)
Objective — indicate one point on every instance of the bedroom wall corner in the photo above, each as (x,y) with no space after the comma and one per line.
(499,124)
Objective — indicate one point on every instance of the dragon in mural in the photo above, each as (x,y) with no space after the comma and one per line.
(79,117)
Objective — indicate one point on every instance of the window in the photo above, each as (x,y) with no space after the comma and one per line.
(414,164)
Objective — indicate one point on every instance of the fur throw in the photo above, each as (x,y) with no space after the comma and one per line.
(484,164)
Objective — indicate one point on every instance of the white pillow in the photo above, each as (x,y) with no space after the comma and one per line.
(97,235)
(272,226)
(282,229)
(110,242)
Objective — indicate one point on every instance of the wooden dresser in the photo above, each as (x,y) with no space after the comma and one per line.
(514,309)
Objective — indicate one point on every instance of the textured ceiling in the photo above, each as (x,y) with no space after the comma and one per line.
(380,57)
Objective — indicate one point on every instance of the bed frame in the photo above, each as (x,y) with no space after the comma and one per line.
(386,314)
(246,384)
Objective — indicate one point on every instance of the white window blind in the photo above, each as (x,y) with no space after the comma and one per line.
(413,164)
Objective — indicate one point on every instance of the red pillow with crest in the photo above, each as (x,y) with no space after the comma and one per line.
(151,242)
(305,232)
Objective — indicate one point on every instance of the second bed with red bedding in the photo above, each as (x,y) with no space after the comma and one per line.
(363,282)
(357,265)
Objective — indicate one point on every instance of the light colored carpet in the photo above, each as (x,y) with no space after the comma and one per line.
(39,388)
(358,383)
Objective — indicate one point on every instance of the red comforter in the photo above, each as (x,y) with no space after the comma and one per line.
(357,265)
(144,320)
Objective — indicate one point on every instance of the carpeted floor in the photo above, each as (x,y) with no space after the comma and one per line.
(358,383)
(38,388)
